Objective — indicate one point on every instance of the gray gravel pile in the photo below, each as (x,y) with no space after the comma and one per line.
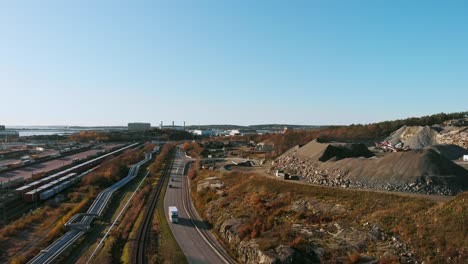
(450,151)
(416,137)
(421,171)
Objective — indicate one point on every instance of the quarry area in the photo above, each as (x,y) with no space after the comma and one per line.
(432,162)
(400,200)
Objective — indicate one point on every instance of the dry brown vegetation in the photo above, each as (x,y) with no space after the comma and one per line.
(43,223)
(129,136)
(433,232)
(156,166)
(23,231)
(115,168)
(193,149)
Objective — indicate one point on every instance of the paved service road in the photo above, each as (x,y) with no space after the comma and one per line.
(195,240)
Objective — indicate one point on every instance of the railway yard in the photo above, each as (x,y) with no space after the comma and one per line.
(230,201)
(41,168)
(80,223)
(17,200)
(37,194)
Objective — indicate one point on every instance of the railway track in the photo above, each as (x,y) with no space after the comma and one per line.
(144,228)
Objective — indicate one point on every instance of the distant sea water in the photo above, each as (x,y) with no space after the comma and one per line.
(26,131)
(29,133)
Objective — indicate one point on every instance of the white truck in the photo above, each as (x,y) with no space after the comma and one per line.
(173,214)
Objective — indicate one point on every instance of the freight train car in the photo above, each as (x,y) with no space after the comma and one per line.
(26,188)
(50,188)
(31,192)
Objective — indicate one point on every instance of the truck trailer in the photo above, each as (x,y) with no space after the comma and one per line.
(173,214)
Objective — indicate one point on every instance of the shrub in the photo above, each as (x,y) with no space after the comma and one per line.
(296,241)
(243,230)
(389,260)
(354,258)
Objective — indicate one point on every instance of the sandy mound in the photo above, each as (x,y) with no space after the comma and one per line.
(336,151)
(416,137)
(451,152)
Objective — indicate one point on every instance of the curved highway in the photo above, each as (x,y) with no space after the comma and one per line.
(194,238)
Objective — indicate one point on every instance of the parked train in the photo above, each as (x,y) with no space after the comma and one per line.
(32,192)
(50,189)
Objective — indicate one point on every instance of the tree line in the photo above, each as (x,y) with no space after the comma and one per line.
(352,133)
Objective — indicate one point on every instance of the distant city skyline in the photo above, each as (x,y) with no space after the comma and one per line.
(108,63)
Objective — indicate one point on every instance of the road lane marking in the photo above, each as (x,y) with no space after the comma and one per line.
(201,234)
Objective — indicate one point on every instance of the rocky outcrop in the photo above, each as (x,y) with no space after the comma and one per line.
(250,253)
(306,230)
(211,183)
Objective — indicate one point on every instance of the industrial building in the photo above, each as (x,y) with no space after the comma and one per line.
(139,126)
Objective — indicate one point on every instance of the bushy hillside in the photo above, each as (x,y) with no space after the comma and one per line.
(274,221)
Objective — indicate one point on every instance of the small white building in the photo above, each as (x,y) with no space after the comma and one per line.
(242,132)
(465,157)
(203,132)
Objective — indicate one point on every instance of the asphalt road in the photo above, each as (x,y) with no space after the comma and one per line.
(49,165)
(197,243)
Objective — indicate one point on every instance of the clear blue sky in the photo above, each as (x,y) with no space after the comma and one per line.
(238,62)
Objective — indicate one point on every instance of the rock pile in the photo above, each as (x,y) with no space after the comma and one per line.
(332,151)
(454,135)
(450,151)
(421,171)
(418,137)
